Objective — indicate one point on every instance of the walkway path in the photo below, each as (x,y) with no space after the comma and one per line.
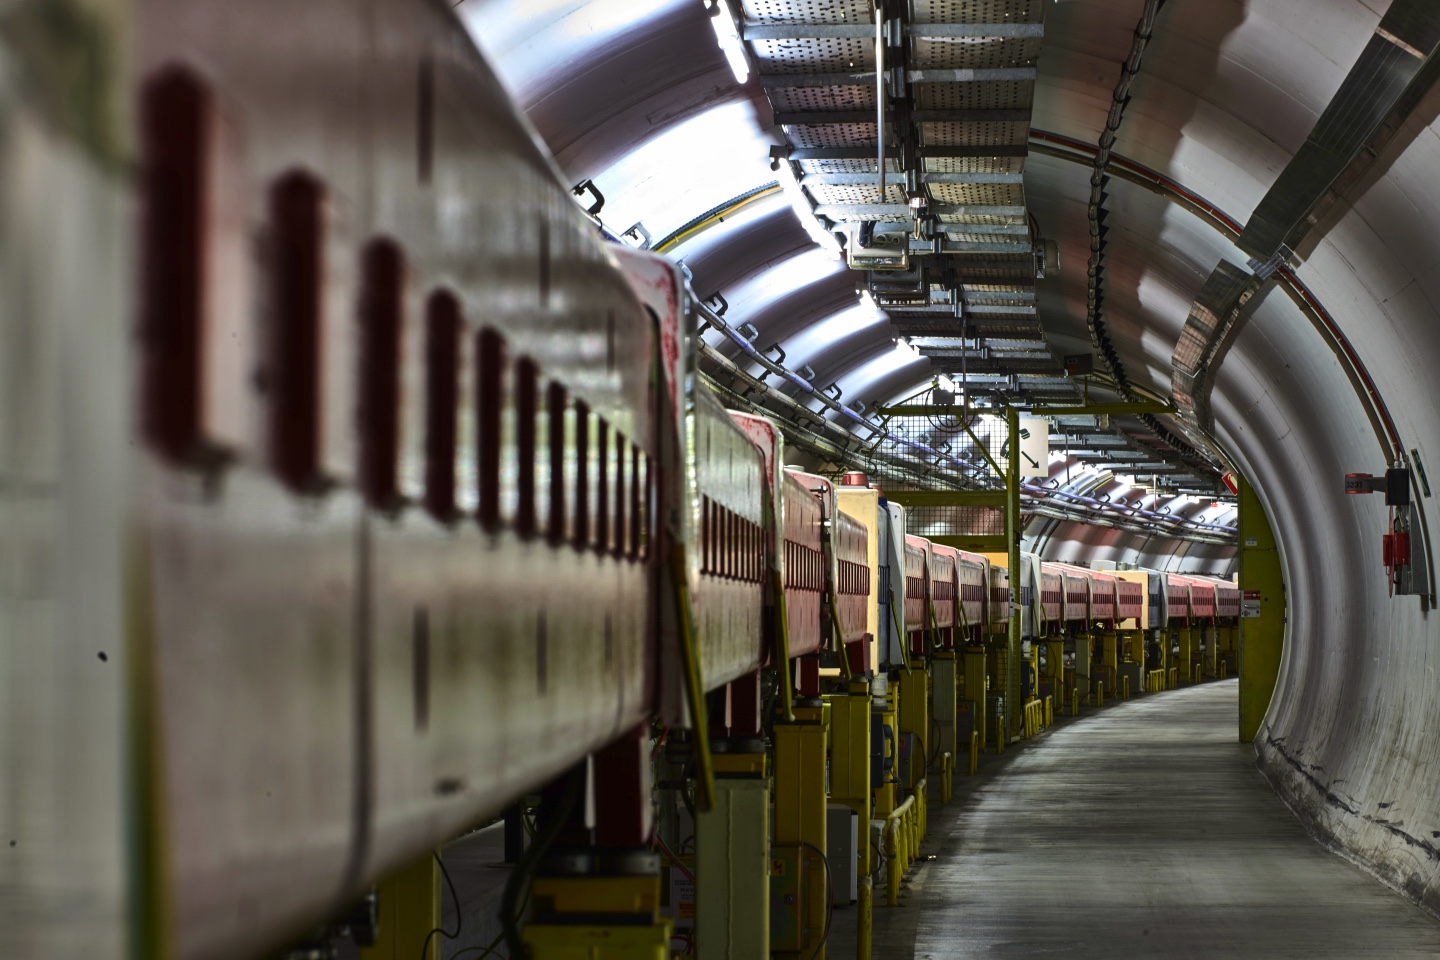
(1144,831)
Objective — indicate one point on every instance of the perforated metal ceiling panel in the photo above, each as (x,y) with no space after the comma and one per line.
(958,97)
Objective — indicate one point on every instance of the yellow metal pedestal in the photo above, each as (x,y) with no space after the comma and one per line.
(732,859)
(597,918)
(1110,659)
(850,785)
(408,906)
(942,703)
(1084,655)
(975,688)
(799,895)
(1183,657)
(912,690)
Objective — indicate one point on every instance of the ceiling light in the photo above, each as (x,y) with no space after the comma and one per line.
(722,18)
(903,346)
(801,205)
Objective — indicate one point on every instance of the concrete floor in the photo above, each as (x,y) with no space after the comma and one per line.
(1141,830)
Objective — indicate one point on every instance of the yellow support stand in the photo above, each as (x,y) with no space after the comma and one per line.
(633,930)
(974,752)
(1110,657)
(914,706)
(975,689)
(943,702)
(1055,666)
(1185,657)
(798,886)
(408,906)
(850,784)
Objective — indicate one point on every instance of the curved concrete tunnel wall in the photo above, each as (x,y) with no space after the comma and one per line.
(1228,91)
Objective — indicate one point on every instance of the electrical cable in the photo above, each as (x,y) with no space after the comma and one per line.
(509,900)
(484,951)
(715,215)
(829,898)
(459,917)
(674,859)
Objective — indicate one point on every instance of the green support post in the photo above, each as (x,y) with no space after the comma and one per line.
(1013,706)
(1262,630)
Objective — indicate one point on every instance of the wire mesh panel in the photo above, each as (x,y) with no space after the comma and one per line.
(933,522)
(962,451)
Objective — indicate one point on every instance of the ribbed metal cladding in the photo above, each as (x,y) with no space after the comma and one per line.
(1388,79)
(1408,34)
(1215,312)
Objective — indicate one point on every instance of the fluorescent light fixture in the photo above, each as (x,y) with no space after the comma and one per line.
(801,205)
(722,18)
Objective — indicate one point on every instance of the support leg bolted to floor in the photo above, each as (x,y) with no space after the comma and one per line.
(408,908)
(799,892)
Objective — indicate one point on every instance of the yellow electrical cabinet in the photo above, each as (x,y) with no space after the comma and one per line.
(863,504)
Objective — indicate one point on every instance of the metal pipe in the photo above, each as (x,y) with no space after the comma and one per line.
(754,354)
(895,868)
(880,90)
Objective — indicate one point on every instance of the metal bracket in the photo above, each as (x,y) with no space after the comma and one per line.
(588,186)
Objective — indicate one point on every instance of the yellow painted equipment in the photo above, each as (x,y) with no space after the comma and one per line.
(912,691)
(904,829)
(1085,665)
(850,784)
(799,893)
(1055,666)
(1184,654)
(1110,658)
(1034,718)
(642,935)
(1262,623)
(408,909)
(863,504)
(943,702)
(976,682)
